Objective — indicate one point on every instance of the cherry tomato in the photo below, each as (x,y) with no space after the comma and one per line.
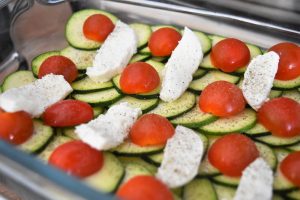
(77,158)
(97,27)
(232,153)
(139,77)
(68,113)
(230,54)
(144,188)
(15,127)
(163,41)
(151,129)
(59,65)
(290,167)
(281,116)
(222,99)
(289,63)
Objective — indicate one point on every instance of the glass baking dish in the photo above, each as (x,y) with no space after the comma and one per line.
(32,37)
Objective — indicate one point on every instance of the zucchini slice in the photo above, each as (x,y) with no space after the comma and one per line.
(159,26)
(224,192)
(199,189)
(257,131)
(143,32)
(238,123)
(274,141)
(81,58)
(292,94)
(87,85)
(210,77)
(38,60)
(101,98)
(287,85)
(128,148)
(139,58)
(139,161)
(132,170)
(194,118)
(109,177)
(294,194)
(144,104)
(17,79)
(206,169)
(199,73)
(41,135)
(74,29)
(175,108)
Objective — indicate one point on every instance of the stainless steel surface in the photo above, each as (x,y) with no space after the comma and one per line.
(4,3)
(32,37)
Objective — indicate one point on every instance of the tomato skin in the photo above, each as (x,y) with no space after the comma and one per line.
(230,54)
(281,116)
(289,62)
(77,158)
(97,27)
(59,65)
(232,153)
(139,77)
(290,167)
(144,188)
(163,41)
(68,113)
(222,99)
(15,127)
(151,129)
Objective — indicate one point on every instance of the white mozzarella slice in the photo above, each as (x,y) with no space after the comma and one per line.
(182,157)
(114,54)
(256,182)
(109,130)
(258,79)
(179,69)
(34,98)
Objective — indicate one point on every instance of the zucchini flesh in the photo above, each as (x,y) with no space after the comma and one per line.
(199,73)
(287,85)
(41,135)
(295,195)
(139,58)
(274,141)
(38,60)
(199,189)
(81,58)
(137,160)
(238,123)
(74,29)
(128,148)
(159,26)
(87,85)
(210,77)
(175,108)
(109,177)
(144,104)
(224,192)
(132,170)
(101,98)
(206,169)
(292,94)
(17,79)
(143,32)
(258,130)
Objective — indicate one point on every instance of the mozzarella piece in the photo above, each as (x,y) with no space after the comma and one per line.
(114,54)
(34,98)
(109,130)
(182,157)
(256,182)
(179,69)
(258,79)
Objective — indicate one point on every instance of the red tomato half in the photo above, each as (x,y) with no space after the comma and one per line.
(97,27)
(59,65)
(222,99)
(163,41)
(144,188)
(139,77)
(68,113)
(281,116)
(151,129)
(230,54)
(290,167)
(15,127)
(77,158)
(232,153)
(289,63)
